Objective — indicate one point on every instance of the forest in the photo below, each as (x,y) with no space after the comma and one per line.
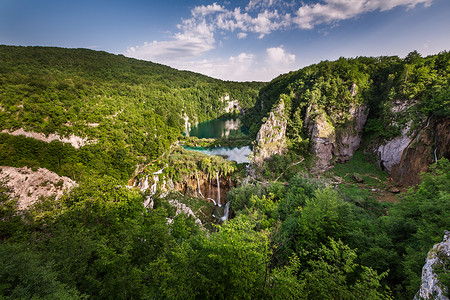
(293,233)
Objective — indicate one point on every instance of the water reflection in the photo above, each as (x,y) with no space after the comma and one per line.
(218,128)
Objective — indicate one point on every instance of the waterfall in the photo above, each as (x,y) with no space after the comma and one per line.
(226,212)
(198,185)
(145,184)
(214,201)
(435,156)
(218,190)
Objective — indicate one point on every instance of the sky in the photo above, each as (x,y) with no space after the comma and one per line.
(244,40)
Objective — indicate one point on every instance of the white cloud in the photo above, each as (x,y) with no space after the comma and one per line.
(209,25)
(206,10)
(331,11)
(195,39)
(242,67)
(241,35)
(278,57)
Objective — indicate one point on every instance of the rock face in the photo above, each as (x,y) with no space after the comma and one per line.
(438,256)
(322,136)
(232,105)
(271,137)
(196,184)
(29,185)
(74,140)
(182,208)
(328,140)
(390,152)
(348,137)
(427,144)
(408,155)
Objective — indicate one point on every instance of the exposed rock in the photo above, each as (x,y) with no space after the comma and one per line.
(348,136)
(322,136)
(232,105)
(341,140)
(197,184)
(74,140)
(390,152)
(406,156)
(271,138)
(184,209)
(428,144)
(438,256)
(29,185)
(357,178)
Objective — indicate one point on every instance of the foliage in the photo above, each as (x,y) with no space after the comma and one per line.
(337,86)
(126,107)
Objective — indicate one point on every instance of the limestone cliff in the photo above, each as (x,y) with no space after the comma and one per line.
(196,184)
(334,138)
(271,137)
(406,156)
(439,256)
(231,105)
(322,136)
(426,145)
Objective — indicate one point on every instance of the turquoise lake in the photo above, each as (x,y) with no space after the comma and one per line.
(217,128)
(221,128)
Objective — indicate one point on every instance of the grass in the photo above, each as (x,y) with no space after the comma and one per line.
(359,166)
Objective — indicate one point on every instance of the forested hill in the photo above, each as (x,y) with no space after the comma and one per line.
(378,81)
(128,107)
(94,94)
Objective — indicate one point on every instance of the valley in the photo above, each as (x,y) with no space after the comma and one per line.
(127,179)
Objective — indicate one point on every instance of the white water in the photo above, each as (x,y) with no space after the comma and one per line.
(145,184)
(218,190)
(214,201)
(198,185)
(226,212)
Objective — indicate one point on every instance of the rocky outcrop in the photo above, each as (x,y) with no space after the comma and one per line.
(74,140)
(331,142)
(271,137)
(439,256)
(322,136)
(231,105)
(426,146)
(182,208)
(390,152)
(197,184)
(29,185)
(348,136)
(409,154)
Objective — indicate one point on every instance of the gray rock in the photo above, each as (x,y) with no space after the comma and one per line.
(430,288)
(271,138)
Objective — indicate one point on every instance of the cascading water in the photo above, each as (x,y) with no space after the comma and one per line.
(226,212)
(214,201)
(145,184)
(218,190)
(198,185)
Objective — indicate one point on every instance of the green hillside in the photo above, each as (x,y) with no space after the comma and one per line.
(379,80)
(137,224)
(130,108)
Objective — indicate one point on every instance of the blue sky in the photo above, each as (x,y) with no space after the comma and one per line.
(232,40)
